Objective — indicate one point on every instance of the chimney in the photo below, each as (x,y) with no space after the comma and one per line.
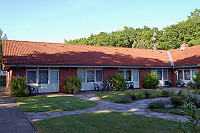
(183,46)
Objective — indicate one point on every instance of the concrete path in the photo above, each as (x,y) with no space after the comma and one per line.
(137,107)
(12,119)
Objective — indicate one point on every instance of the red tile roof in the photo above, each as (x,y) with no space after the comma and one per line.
(189,56)
(41,53)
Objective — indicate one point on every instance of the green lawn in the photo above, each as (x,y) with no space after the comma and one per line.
(178,111)
(115,96)
(53,103)
(106,122)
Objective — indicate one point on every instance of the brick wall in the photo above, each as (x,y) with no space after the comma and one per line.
(12,72)
(141,75)
(63,72)
(175,76)
(108,72)
(22,71)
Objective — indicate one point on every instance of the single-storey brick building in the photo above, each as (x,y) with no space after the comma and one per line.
(47,65)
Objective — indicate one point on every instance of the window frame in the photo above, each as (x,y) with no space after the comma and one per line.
(125,72)
(48,74)
(33,70)
(156,71)
(183,71)
(96,75)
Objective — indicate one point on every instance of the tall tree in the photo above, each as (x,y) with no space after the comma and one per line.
(2,37)
(169,38)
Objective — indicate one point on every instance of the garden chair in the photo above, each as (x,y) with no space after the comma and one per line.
(33,90)
(180,83)
(168,83)
(96,87)
(130,85)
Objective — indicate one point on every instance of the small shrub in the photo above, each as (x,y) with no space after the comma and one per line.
(118,81)
(147,94)
(196,84)
(125,99)
(188,98)
(140,96)
(166,93)
(176,101)
(131,95)
(190,84)
(150,81)
(157,105)
(192,124)
(197,104)
(192,99)
(19,87)
(74,85)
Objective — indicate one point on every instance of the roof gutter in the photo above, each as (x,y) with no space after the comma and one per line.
(122,66)
(188,66)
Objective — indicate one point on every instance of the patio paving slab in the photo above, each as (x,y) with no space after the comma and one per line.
(137,107)
(12,119)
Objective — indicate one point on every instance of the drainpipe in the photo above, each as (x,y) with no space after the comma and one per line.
(174,76)
(17,71)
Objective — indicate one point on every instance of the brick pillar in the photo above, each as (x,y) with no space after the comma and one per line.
(108,72)
(142,72)
(10,73)
(63,72)
(22,71)
(175,76)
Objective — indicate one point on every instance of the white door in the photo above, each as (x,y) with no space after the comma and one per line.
(54,81)
(81,73)
(43,81)
(135,78)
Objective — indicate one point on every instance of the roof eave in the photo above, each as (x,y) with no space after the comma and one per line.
(67,65)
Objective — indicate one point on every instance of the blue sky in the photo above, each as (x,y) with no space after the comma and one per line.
(56,20)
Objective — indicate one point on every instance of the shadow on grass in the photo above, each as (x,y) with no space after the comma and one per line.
(53,103)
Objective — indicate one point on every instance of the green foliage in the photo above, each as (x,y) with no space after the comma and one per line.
(125,99)
(157,105)
(19,87)
(169,38)
(133,96)
(176,101)
(2,80)
(188,98)
(1,39)
(147,94)
(196,84)
(118,81)
(166,93)
(192,125)
(150,81)
(73,85)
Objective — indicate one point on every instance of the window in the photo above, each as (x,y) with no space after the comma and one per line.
(31,77)
(90,75)
(162,73)
(193,72)
(159,72)
(99,75)
(180,74)
(81,73)
(128,75)
(187,74)
(153,71)
(121,71)
(165,77)
(43,76)
(135,75)
(53,76)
